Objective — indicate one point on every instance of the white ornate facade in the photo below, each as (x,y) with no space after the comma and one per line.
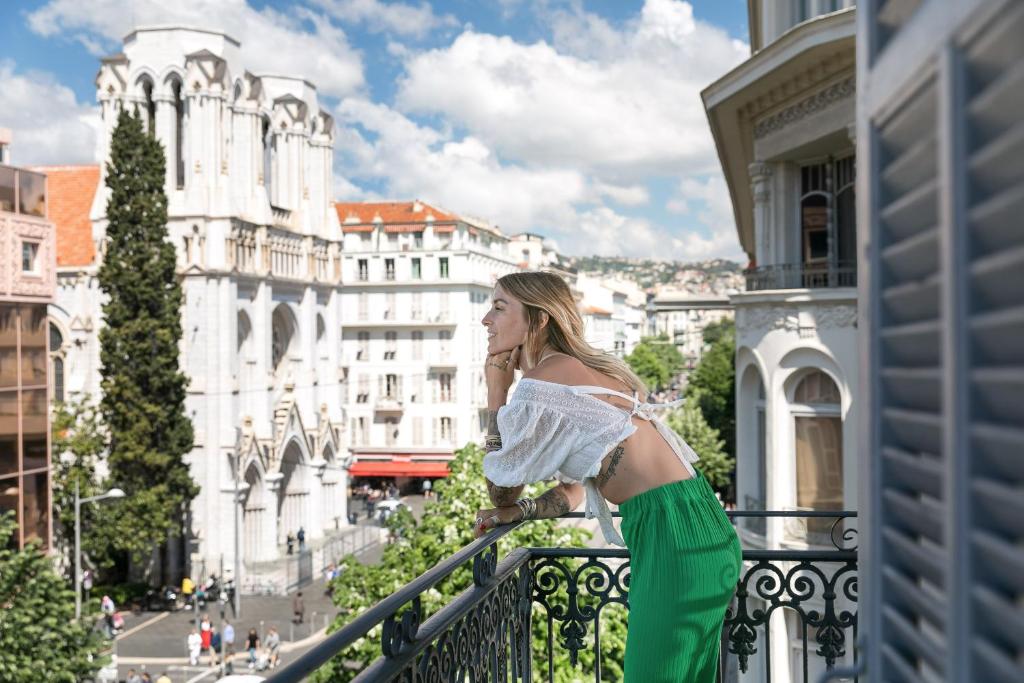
(783,122)
(249,177)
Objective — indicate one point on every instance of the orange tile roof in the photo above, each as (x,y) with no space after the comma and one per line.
(70,191)
(389,212)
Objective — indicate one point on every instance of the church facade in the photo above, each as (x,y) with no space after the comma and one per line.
(248,181)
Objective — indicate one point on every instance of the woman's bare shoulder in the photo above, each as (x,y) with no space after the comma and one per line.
(560,370)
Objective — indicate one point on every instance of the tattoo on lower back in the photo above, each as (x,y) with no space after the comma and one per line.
(502,496)
(552,503)
(613,463)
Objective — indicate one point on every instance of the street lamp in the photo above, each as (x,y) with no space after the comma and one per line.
(112,493)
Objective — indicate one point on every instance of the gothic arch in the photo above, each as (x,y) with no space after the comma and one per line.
(802,360)
(285,335)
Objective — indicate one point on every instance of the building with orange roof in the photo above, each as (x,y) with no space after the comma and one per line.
(418,281)
(27,285)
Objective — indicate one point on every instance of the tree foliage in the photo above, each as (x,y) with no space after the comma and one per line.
(715,463)
(446,526)
(712,386)
(715,331)
(667,353)
(648,367)
(77,444)
(39,637)
(143,389)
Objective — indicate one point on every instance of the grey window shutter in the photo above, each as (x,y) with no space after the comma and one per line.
(941,145)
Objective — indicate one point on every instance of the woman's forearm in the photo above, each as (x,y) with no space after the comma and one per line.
(501,496)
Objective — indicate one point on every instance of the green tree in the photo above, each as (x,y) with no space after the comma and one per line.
(648,367)
(715,463)
(712,386)
(76,446)
(667,353)
(715,331)
(39,637)
(143,389)
(446,527)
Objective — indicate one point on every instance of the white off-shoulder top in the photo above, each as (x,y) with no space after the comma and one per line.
(563,431)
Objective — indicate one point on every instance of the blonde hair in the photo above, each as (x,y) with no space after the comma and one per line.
(539,291)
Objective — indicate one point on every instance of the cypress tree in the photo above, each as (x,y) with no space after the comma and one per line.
(143,388)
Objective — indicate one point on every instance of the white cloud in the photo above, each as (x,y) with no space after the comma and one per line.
(401,18)
(631,195)
(620,102)
(298,42)
(708,201)
(49,125)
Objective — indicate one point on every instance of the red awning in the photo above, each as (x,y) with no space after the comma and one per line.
(398,469)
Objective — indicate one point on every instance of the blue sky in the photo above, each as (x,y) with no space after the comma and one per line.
(578,120)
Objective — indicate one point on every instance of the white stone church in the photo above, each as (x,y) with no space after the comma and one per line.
(249,184)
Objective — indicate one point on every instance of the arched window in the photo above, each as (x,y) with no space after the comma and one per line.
(244,331)
(321,337)
(818,430)
(283,333)
(150,106)
(266,139)
(56,347)
(179,134)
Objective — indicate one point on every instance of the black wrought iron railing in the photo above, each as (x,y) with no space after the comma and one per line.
(801,276)
(487,633)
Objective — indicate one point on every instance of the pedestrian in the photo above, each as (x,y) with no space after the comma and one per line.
(107,607)
(252,643)
(187,587)
(133,677)
(195,646)
(164,678)
(146,678)
(427,484)
(206,633)
(298,608)
(302,539)
(273,647)
(228,640)
(290,541)
(87,584)
(215,646)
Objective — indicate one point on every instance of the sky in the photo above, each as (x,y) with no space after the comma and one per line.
(580,120)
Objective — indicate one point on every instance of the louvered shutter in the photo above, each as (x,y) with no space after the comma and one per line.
(942,565)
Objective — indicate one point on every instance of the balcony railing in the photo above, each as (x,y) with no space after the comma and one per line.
(801,276)
(487,632)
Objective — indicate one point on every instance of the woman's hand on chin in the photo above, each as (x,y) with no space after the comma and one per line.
(500,372)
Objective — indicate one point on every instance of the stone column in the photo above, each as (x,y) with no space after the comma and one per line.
(760,187)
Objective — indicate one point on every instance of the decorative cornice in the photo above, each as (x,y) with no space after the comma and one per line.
(823,99)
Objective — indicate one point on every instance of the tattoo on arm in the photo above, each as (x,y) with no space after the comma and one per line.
(503,496)
(613,462)
(552,503)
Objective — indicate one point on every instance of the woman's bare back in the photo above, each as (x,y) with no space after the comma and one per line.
(641,462)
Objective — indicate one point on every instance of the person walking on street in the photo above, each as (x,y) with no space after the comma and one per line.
(187,588)
(273,648)
(252,644)
(290,541)
(228,643)
(298,609)
(195,646)
(427,484)
(133,677)
(302,539)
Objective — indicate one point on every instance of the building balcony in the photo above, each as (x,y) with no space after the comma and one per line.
(393,319)
(801,276)
(388,404)
(491,630)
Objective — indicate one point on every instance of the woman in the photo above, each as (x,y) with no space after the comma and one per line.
(577,415)
(252,644)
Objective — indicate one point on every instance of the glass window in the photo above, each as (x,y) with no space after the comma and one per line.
(32,193)
(9,503)
(33,425)
(444,267)
(816,387)
(7,180)
(35,510)
(58,380)
(56,339)
(29,257)
(819,467)
(8,345)
(416,269)
(34,344)
(8,432)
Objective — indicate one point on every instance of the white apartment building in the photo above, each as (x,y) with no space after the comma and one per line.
(249,176)
(683,316)
(418,280)
(784,125)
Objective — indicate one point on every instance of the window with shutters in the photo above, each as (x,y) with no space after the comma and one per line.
(363,351)
(390,345)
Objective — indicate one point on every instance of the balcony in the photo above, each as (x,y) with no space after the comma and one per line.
(801,276)
(489,632)
(388,404)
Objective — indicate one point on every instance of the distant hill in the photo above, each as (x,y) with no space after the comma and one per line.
(651,272)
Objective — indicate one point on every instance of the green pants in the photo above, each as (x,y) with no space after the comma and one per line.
(685,561)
